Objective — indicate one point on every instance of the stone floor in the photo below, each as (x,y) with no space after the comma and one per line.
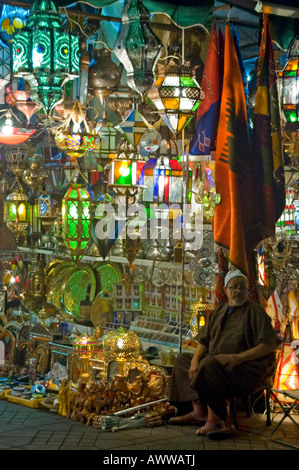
(24,428)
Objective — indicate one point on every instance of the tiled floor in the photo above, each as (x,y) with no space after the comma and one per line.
(24,428)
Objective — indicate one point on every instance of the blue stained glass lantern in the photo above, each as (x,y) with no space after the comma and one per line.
(45,55)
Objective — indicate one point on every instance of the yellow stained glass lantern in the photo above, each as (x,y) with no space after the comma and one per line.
(74,136)
(84,346)
(17,211)
(199,312)
(176,95)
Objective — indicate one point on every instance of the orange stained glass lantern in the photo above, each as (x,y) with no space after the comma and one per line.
(176,95)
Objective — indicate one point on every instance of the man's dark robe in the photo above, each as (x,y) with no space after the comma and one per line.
(227,331)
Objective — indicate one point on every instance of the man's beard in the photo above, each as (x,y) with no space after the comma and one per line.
(238,301)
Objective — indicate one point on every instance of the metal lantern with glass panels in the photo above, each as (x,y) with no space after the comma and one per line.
(45,55)
(176,96)
(289,79)
(17,211)
(76,214)
(74,136)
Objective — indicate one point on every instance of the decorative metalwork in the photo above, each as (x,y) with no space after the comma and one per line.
(74,135)
(289,79)
(45,55)
(176,95)
(137,47)
(76,216)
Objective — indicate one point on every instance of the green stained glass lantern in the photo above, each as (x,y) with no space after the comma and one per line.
(289,79)
(137,47)
(176,95)
(45,55)
(76,216)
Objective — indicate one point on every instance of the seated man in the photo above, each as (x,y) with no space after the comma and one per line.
(235,356)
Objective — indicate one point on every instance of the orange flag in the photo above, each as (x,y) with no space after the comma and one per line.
(232,165)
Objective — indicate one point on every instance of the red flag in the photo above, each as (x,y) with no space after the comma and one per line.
(232,166)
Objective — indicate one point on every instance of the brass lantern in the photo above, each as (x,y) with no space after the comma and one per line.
(121,345)
(199,315)
(74,136)
(17,211)
(84,346)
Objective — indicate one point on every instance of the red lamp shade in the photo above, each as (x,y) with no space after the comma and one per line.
(16,137)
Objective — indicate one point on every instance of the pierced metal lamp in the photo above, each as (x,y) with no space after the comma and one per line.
(137,47)
(45,55)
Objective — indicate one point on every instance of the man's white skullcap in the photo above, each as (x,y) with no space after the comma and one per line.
(231,274)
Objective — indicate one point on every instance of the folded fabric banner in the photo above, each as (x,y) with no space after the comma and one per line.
(207,117)
(267,158)
(233,177)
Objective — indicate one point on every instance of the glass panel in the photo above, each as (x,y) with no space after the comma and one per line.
(171,103)
(171,80)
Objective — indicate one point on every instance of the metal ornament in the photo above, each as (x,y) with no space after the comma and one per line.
(137,47)
(45,55)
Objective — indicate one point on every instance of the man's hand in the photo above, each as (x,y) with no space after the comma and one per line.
(229,361)
(193,368)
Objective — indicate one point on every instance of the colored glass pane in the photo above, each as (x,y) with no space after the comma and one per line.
(171,103)
(188,81)
(12,212)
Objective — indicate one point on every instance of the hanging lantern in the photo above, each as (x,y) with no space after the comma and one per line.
(74,136)
(17,211)
(76,216)
(47,210)
(199,313)
(103,74)
(168,175)
(176,96)
(134,127)
(45,55)
(127,172)
(106,139)
(289,79)
(35,174)
(137,47)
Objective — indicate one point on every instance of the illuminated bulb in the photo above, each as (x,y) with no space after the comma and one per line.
(124,171)
(76,127)
(120,343)
(7,129)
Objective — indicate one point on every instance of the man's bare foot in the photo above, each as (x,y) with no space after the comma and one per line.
(210,427)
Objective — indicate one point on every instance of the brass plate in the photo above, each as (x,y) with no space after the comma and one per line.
(50,266)
(108,274)
(51,281)
(101,311)
(75,287)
